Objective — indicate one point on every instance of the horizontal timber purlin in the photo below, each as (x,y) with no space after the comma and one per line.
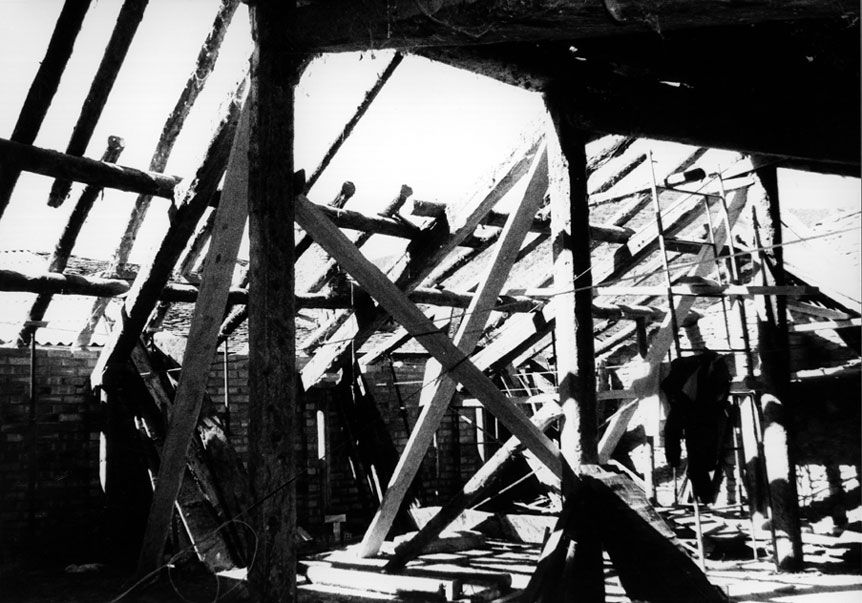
(54,283)
(89,171)
(63,249)
(599,232)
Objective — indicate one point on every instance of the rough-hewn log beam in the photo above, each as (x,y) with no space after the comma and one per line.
(89,171)
(44,87)
(582,577)
(663,86)
(131,14)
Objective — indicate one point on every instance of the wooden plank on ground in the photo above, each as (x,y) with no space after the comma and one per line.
(482,482)
(435,397)
(402,586)
(652,565)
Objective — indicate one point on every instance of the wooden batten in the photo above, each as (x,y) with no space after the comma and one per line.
(125,28)
(435,398)
(44,87)
(599,232)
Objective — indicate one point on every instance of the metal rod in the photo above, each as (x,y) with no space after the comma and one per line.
(663,250)
(734,272)
(34,437)
(226,388)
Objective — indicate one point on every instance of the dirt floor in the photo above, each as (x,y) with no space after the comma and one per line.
(832,574)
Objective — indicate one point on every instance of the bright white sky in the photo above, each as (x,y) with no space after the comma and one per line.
(433,128)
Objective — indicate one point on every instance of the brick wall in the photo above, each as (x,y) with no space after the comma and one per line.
(66,500)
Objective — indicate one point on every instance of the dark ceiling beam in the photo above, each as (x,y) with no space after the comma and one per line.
(789,91)
(345,25)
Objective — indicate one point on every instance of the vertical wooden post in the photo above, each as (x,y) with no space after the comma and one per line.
(276,68)
(773,348)
(576,371)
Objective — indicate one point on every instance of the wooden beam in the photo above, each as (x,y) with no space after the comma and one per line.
(89,171)
(482,482)
(63,250)
(424,252)
(274,392)
(124,31)
(341,25)
(437,344)
(204,65)
(331,268)
(651,563)
(599,232)
(825,325)
(573,279)
(710,290)
(151,280)
(583,576)
(44,87)
(414,586)
(201,347)
(347,130)
(435,397)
